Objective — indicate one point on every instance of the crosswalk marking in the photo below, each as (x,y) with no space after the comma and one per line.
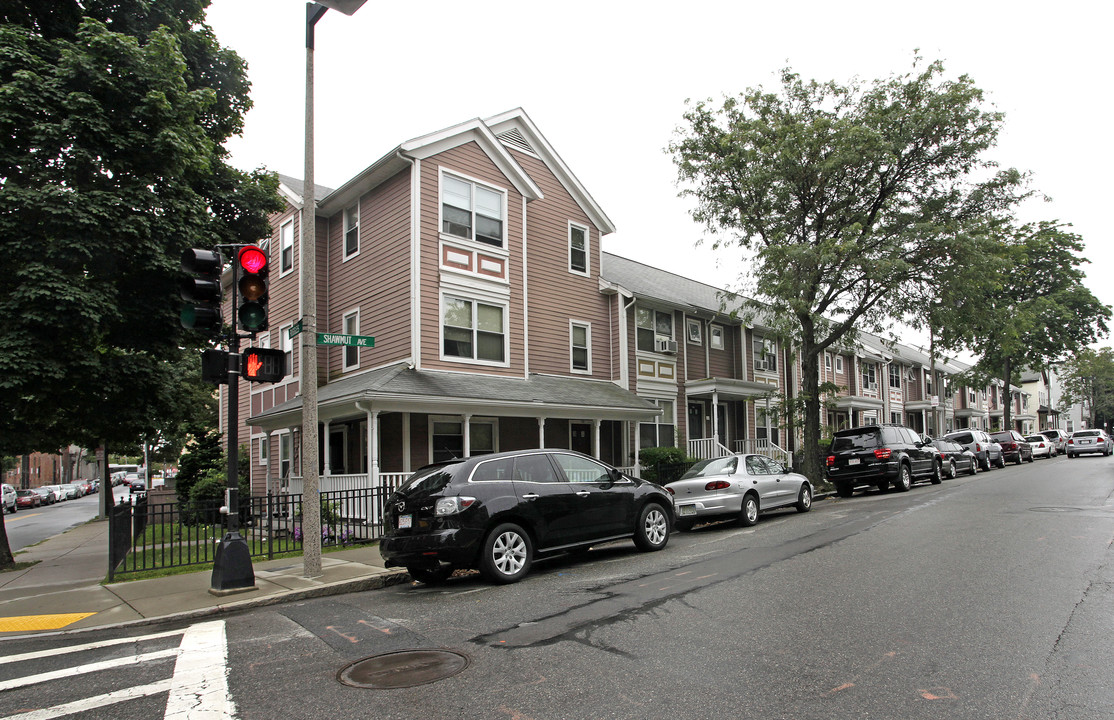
(197,690)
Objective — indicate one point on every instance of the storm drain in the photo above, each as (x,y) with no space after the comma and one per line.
(403,669)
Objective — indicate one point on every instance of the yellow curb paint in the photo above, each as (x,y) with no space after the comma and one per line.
(25,623)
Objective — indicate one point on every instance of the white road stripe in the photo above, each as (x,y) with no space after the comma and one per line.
(38,655)
(88,668)
(116,696)
(199,688)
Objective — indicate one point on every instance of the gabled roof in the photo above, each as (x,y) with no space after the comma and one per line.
(293,189)
(666,288)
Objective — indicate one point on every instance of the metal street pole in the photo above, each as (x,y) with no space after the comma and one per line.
(311,497)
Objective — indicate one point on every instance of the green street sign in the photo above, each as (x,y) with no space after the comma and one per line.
(354,340)
(295,329)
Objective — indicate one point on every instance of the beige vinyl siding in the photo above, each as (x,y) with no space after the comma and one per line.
(557,295)
(469,160)
(377,280)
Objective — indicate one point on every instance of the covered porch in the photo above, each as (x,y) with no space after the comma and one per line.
(728,416)
(378,427)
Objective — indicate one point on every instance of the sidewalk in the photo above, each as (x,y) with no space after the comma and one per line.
(63,591)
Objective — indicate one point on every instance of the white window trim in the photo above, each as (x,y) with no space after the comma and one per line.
(657,335)
(828,362)
(283,245)
(712,329)
(474,361)
(588,338)
(264,449)
(839,363)
(286,344)
(477,420)
(344,365)
(344,234)
(472,241)
(587,271)
(690,324)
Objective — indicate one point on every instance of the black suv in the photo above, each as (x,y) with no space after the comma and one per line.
(879,455)
(495,513)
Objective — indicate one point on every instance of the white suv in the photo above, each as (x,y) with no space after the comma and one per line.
(9,498)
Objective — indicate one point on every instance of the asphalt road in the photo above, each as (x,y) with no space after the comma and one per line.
(32,525)
(983,597)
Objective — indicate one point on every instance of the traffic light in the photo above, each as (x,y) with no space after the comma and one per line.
(202,290)
(253,288)
(263,364)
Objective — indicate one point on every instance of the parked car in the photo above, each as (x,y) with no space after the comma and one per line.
(10,504)
(1042,446)
(49,497)
(131,477)
(72,490)
(956,458)
(136,486)
(986,451)
(1014,446)
(1059,440)
(879,455)
(27,499)
(1089,441)
(738,486)
(60,492)
(498,512)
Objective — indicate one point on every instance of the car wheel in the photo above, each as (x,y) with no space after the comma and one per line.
(749,514)
(845,491)
(937,474)
(974,469)
(684,525)
(652,532)
(1019,458)
(1032,458)
(430,575)
(804,499)
(986,462)
(1001,461)
(905,478)
(951,469)
(507,554)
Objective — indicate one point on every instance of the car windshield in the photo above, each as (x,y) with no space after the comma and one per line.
(962,438)
(861,440)
(715,466)
(1087,433)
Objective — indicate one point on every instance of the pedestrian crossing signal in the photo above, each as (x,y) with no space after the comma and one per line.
(263,364)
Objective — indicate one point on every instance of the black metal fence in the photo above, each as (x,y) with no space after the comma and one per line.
(145,536)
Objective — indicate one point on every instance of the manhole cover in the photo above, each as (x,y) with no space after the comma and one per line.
(403,669)
(1056,509)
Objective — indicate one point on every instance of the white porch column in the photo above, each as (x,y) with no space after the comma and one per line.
(406,442)
(467,435)
(325,469)
(541,432)
(715,415)
(596,438)
(372,448)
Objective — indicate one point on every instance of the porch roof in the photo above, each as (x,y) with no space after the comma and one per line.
(729,389)
(401,388)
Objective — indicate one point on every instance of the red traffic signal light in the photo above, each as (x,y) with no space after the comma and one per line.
(263,364)
(203,290)
(252,311)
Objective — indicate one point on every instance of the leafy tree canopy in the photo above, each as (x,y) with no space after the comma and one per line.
(842,197)
(114,114)
(1087,379)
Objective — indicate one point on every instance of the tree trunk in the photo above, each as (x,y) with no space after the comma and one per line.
(1006,425)
(67,465)
(810,388)
(25,472)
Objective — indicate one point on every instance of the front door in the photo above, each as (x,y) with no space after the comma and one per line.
(696,420)
(721,413)
(581,437)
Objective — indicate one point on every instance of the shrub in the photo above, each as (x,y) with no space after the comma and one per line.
(663,464)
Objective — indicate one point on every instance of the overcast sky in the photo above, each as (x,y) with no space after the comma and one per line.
(606,83)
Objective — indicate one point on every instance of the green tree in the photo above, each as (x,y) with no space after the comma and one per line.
(840,198)
(1087,379)
(1030,307)
(114,116)
(205,455)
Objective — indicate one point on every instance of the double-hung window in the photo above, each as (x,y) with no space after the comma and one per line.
(470,210)
(765,355)
(286,246)
(286,343)
(715,337)
(351,231)
(578,249)
(473,330)
(351,352)
(870,376)
(660,432)
(652,325)
(580,338)
(895,377)
(447,437)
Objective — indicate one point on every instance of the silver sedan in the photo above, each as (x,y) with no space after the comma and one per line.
(738,486)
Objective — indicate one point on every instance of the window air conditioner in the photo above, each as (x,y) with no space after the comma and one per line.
(665,346)
(760,366)
(872,386)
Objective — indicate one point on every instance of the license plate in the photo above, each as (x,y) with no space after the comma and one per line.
(404,521)
(686,510)
(853,461)
(1084,442)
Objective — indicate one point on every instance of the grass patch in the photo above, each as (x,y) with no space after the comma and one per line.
(18,566)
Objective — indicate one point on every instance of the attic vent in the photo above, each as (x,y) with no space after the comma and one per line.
(514,138)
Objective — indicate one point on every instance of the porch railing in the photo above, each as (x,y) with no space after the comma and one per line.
(763,446)
(706,448)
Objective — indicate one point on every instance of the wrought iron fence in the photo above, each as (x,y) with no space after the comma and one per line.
(145,536)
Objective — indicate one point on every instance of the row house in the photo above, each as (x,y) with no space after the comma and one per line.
(474,257)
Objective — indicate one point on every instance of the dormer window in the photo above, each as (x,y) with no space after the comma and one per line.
(470,210)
